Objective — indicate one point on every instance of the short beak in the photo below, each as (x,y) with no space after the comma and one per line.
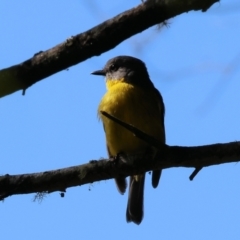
(99,72)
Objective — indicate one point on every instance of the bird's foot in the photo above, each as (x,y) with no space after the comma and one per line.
(119,157)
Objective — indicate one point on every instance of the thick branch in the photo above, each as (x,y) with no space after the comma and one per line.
(94,42)
(59,180)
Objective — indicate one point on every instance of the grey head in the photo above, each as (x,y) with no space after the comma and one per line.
(131,69)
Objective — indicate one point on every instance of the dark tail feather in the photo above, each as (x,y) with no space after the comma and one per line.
(121,184)
(156,174)
(135,199)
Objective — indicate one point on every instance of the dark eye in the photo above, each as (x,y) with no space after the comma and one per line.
(113,67)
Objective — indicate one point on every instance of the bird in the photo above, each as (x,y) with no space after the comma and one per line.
(132,98)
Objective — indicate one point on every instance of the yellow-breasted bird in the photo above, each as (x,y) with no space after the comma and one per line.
(132,98)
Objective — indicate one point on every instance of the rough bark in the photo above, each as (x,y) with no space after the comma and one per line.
(61,179)
(94,42)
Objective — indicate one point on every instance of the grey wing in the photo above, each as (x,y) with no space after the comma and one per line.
(156,174)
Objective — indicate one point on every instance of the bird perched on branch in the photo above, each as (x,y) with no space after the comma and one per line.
(132,98)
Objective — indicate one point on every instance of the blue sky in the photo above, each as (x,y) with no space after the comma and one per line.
(194,63)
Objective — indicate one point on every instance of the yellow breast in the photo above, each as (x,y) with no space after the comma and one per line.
(135,106)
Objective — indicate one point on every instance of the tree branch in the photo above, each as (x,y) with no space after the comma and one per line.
(61,179)
(94,42)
